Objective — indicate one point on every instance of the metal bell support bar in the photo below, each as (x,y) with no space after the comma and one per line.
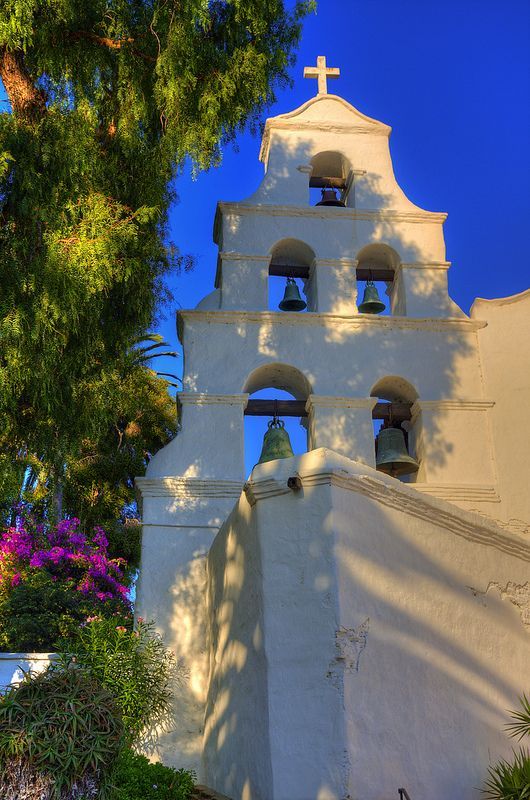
(329,198)
(372,303)
(291,298)
(392,457)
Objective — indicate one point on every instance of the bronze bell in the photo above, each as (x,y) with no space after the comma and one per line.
(329,198)
(291,298)
(392,456)
(276,442)
(372,303)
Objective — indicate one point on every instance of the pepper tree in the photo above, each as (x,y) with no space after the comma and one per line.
(105,101)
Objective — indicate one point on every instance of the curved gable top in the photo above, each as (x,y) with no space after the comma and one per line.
(483,304)
(323,112)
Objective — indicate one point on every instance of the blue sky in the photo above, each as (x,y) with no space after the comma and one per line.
(453,81)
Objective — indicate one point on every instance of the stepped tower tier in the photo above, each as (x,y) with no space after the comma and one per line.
(332,357)
(328,143)
(222,555)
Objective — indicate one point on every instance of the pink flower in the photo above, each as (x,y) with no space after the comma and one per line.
(121,628)
(16,579)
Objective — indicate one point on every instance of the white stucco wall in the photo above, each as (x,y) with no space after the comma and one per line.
(14,665)
(393,636)
(505,358)
(362,634)
(180,520)
(237,756)
(340,360)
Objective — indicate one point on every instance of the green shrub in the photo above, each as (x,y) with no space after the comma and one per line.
(135,666)
(510,780)
(60,736)
(136,778)
(39,613)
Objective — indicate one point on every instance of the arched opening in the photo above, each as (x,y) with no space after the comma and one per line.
(274,388)
(393,410)
(376,267)
(291,259)
(331,176)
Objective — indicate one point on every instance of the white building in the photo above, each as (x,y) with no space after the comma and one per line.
(362,633)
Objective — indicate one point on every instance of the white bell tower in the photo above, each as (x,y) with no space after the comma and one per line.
(301,586)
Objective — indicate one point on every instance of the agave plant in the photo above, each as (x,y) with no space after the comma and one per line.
(510,780)
(60,736)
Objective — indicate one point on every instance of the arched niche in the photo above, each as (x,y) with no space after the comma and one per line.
(290,258)
(266,384)
(330,164)
(396,397)
(330,169)
(278,376)
(378,262)
(394,389)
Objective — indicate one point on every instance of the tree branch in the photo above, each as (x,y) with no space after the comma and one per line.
(27,101)
(111,44)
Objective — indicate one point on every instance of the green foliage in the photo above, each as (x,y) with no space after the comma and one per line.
(510,780)
(108,98)
(521,725)
(60,736)
(40,613)
(136,778)
(135,666)
(99,476)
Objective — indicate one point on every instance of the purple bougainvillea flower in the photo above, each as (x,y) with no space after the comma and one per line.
(77,539)
(38,559)
(99,537)
(64,553)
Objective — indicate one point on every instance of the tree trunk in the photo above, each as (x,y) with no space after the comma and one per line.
(27,101)
(58,500)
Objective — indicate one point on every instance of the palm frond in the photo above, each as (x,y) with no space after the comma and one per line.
(521,726)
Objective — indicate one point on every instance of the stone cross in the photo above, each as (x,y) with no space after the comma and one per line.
(322,73)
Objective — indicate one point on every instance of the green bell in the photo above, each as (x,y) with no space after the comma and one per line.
(291,298)
(276,442)
(392,456)
(372,303)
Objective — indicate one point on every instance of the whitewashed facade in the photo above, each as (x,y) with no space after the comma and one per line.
(13,666)
(363,633)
